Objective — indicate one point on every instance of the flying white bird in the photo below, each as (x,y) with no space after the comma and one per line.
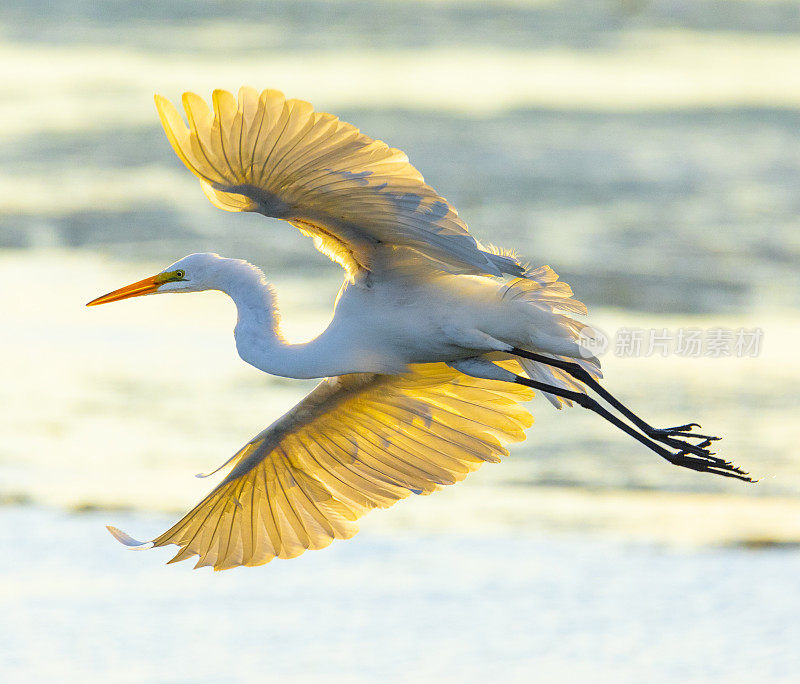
(434,342)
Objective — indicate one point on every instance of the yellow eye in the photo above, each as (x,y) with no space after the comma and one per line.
(180,273)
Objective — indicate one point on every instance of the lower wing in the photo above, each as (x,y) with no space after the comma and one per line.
(355,443)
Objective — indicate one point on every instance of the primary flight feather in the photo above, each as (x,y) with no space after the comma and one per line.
(360,199)
(434,340)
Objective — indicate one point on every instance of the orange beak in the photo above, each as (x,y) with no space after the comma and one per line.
(142,287)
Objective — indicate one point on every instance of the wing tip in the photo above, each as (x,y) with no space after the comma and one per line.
(163,104)
(127,540)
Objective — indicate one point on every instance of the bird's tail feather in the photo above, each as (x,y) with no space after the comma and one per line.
(542,288)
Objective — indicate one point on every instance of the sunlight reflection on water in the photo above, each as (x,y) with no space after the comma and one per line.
(427,607)
(648,151)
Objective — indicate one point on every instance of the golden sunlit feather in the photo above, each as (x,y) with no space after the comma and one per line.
(357,442)
(358,198)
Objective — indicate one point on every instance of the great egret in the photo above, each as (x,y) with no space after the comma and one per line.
(430,350)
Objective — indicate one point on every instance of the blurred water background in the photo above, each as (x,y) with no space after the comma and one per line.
(648,151)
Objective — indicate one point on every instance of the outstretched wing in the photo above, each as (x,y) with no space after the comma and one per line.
(360,199)
(355,443)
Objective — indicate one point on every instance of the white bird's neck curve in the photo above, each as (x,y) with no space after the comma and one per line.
(257,335)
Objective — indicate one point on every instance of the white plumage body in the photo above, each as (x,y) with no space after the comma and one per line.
(391,322)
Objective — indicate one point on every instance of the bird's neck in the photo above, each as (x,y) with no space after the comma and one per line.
(258,338)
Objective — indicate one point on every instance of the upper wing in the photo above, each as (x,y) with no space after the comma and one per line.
(358,198)
(355,443)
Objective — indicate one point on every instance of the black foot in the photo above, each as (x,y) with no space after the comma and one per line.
(710,464)
(692,455)
(679,428)
(680,431)
(677,438)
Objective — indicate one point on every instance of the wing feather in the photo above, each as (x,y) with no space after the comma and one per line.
(355,443)
(351,485)
(356,196)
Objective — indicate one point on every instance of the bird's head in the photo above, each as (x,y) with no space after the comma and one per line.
(193,273)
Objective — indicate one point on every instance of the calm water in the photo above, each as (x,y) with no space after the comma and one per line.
(403,607)
(648,151)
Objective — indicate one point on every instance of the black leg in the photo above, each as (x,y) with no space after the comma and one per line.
(664,435)
(703,462)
